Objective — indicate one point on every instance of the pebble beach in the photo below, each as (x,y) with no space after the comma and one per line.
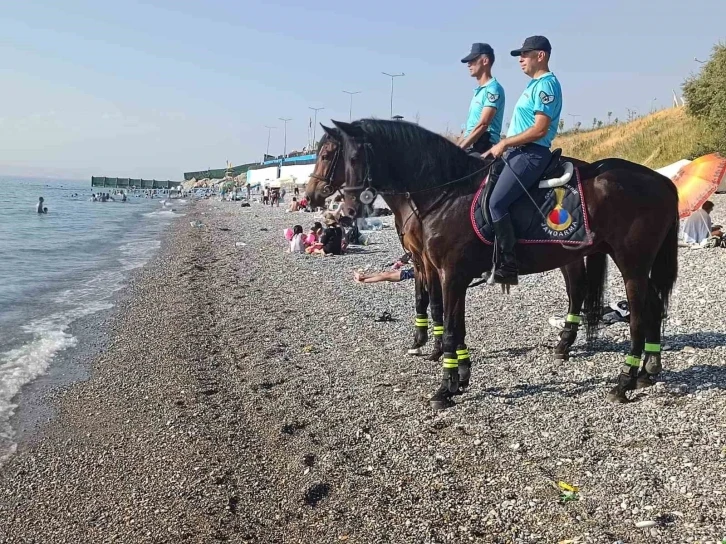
(248,395)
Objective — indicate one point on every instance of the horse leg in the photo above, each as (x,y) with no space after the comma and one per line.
(636,287)
(421,336)
(576,281)
(437,314)
(454,296)
(651,363)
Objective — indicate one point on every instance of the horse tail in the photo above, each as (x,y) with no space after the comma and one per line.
(664,272)
(596,266)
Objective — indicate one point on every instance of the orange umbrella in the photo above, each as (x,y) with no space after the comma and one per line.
(697,181)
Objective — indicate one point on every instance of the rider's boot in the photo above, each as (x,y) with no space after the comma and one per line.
(505,271)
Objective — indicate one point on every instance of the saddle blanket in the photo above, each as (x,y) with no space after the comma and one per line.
(561,219)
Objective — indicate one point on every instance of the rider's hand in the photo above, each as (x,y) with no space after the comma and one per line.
(497,150)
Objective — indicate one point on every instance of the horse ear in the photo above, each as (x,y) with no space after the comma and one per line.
(349,129)
(332,132)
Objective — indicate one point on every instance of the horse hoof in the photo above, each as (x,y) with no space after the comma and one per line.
(644,382)
(618,396)
(462,389)
(441,404)
(415,351)
(435,356)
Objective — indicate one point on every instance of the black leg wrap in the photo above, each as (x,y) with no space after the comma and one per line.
(464,376)
(650,369)
(449,386)
(567,338)
(627,381)
(438,350)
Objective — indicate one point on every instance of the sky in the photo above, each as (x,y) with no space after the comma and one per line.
(155,88)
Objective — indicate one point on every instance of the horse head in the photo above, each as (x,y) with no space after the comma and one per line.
(328,174)
(357,191)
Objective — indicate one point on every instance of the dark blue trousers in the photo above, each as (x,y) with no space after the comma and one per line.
(526,163)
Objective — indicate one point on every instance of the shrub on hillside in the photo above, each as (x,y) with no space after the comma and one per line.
(705,95)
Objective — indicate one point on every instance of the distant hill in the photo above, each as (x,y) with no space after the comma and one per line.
(655,140)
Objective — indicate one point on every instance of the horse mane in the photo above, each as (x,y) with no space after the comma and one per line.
(417,157)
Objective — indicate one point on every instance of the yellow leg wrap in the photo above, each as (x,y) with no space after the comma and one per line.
(652,348)
(438,330)
(632,361)
(572,318)
(462,355)
(451,363)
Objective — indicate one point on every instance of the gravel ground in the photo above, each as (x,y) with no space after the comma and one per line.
(247,395)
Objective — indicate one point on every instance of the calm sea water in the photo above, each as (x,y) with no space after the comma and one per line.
(60,267)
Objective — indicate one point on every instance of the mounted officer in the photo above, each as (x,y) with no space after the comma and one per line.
(486,111)
(526,148)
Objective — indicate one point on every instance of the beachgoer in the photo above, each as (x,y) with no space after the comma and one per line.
(40,208)
(294,206)
(297,244)
(332,237)
(486,110)
(388,275)
(296,191)
(698,226)
(525,150)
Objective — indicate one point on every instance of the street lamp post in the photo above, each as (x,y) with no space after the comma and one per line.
(267,152)
(392,76)
(284,145)
(315,122)
(350,112)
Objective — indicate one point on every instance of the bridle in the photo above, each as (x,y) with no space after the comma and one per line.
(328,188)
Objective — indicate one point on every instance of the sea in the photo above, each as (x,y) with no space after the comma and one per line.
(59,270)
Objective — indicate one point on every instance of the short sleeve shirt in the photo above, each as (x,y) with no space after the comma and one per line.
(542,95)
(490,95)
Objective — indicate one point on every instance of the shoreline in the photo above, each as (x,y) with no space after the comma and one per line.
(248,395)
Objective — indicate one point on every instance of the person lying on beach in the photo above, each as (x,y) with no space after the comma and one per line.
(388,275)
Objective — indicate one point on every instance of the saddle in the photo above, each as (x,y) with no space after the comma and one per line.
(558,198)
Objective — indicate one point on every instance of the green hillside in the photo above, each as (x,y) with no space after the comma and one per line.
(655,140)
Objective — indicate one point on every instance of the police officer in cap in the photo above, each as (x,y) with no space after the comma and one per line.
(486,111)
(526,148)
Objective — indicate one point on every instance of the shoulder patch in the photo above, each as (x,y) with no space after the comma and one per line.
(546,98)
(492,97)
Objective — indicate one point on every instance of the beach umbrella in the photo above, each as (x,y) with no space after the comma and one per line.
(697,181)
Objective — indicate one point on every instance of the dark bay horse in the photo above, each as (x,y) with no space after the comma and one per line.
(584,283)
(632,212)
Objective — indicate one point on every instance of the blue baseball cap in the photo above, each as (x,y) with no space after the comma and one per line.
(533,43)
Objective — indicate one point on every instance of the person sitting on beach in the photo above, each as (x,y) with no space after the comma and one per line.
(40,208)
(332,238)
(294,206)
(297,244)
(698,226)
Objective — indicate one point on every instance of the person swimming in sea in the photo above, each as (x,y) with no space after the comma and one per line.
(40,208)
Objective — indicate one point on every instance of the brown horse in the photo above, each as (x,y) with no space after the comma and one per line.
(632,212)
(584,283)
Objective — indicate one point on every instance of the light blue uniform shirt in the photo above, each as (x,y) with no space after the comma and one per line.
(490,95)
(543,94)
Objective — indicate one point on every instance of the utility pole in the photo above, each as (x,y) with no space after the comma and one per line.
(284,145)
(392,76)
(350,112)
(267,152)
(315,123)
